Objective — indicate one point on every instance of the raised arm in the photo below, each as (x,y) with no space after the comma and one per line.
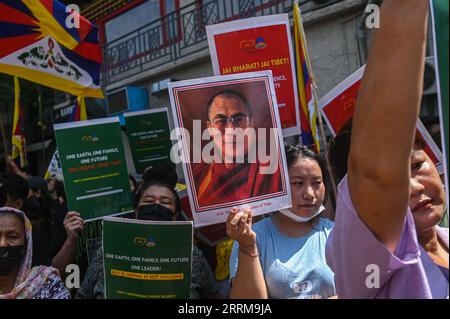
(16,170)
(385,117)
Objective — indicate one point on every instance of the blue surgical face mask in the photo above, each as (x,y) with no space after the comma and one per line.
(300,219)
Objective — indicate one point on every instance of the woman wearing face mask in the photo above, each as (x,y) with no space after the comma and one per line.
(157,202)
(283,256)
(17,279)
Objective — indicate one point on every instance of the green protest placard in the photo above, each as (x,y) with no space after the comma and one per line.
(149,136)
(440,20)
(94,168)
(147,259)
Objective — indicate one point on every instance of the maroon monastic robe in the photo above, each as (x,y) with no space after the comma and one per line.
(215,184)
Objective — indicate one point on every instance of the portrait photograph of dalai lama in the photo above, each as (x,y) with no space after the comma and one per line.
(236,165)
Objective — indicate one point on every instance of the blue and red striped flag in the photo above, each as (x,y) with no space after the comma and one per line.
(38,44)
(308,103)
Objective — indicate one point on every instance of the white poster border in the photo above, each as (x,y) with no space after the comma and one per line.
(256,22)
(259,206)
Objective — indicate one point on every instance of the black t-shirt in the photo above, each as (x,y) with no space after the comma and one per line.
(41,241)
(48,232)
(58,233)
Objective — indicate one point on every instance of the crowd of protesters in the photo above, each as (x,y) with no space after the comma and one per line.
(390,202)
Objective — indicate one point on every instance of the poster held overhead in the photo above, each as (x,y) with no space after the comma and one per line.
(257,44)
(149,136)
(338,106)
(94,168)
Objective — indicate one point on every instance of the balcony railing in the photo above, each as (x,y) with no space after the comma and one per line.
(177,35)
(102,8)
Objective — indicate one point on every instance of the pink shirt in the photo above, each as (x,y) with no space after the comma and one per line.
(353,253)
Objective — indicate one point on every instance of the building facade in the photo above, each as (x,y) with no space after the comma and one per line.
(148,43)
(174,47)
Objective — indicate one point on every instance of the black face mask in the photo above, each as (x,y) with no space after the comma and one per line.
(154,212)
(10,258)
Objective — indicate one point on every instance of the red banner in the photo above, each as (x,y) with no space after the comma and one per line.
(338,105)
(256,44)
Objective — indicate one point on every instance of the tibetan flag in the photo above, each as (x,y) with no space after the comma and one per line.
(18,134)
(43,42)
(308,103)
(440,21)
(54,168)
(78,114)
(79,110)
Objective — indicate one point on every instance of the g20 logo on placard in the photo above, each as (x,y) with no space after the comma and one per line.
(90,138)
(260,43)
(146,242)
(252,45)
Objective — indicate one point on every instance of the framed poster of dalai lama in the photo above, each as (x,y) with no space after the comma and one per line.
(229,142)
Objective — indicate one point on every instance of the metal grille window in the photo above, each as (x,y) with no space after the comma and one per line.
(180,32)
(133,19)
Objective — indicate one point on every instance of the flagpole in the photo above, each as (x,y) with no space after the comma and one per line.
(314,85)
(5,144)
(324,146)
(3,132)
(41,125)
(322,133)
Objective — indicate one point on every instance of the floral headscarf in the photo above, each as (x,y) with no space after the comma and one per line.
(29,280)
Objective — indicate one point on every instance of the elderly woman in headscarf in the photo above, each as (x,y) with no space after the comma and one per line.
(17,279)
